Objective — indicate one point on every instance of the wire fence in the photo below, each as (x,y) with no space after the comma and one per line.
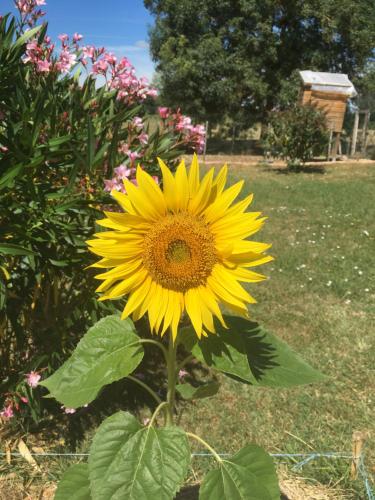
(305,458)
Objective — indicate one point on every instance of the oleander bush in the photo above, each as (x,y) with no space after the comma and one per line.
(65,141)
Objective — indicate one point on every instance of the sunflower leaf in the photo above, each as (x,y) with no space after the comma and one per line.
(249,474)
(248,353)
(109,351)
(187,391)
(74,484)
(128,460)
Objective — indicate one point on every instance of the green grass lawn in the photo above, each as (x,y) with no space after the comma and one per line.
(320,299)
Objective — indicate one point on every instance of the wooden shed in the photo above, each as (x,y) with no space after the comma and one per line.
(330,93)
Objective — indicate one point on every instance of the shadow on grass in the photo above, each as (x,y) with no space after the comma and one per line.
(192,493)
(301,169)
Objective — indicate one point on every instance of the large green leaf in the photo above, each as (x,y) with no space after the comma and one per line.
(109,351)
(75,484)
(134,462)
(187,391)
(248,352)
(250,475)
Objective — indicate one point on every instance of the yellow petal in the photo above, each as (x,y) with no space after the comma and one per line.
(136,297)
(199,202)
(169,187)
(151,190)
(217,209)
(193,309)
(124,201)
(141,203)
(182,186)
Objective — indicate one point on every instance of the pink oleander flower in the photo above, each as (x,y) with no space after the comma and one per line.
(110,58)
(138,122)
(123,148)
(40,2)
(152,92)
(24,400)
(110,184)
(4,149)
(182,374)
(32,379)
(77,37)
(133,155)
(68,411)
(7,412)
(123,172)
(143,138)
(88,51)
(100,67)
(163,112)
(43,66)
(66,61)
(63,37)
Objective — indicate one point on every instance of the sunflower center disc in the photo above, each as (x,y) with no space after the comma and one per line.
(179,252)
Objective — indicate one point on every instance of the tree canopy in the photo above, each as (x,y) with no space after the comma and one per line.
(234,57)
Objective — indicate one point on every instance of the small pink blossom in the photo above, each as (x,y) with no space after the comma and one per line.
(133,155)
(182,374)
(43,66)
(123,172)
(40,2)
(138,122)
(100,67)
(63,37)
(88,51)
(112,184)
(110,58)
(146,421)
(24,400)
(163,112)
(7,412)
(68,411)
(77,37)
(143,138)
(32,379)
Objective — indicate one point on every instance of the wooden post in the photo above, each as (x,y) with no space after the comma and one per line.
(336,146)
(329,144)
(364,132)
(358,440)
(355,133)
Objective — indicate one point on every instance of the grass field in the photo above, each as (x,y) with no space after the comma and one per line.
(320,299)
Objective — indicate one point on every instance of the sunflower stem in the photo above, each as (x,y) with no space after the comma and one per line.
(172,371)
(206,445)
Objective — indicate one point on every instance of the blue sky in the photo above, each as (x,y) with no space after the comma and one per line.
(119,25)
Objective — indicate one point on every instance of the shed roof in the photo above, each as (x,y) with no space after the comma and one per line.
(328,82)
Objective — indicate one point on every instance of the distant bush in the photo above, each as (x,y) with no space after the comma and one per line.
(297,134)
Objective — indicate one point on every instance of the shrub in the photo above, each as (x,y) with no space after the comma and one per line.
(297,134)
(60,136)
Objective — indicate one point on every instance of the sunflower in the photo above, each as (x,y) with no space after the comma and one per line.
(180,249)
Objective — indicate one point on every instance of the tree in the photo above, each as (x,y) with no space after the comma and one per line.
(233,56)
